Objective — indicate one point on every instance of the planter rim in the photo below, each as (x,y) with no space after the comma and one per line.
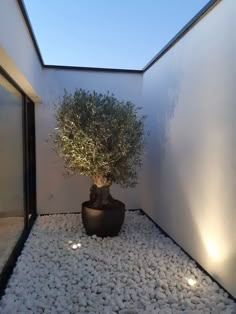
(86,204)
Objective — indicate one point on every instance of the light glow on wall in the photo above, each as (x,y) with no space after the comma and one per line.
(203,175)
(212,249)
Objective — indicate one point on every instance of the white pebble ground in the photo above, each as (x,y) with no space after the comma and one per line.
(61,270)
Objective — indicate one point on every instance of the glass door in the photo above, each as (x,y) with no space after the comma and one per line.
(12,197)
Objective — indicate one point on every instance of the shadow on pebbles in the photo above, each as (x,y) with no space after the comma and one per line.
(61,270)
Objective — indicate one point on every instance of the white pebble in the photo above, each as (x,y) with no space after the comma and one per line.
(62,270)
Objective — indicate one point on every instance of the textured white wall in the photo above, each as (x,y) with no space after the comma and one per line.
(189,184)
(55,192)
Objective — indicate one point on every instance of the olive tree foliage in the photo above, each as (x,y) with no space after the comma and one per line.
(99,136)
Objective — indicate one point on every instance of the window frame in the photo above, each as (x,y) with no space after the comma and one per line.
(29,179)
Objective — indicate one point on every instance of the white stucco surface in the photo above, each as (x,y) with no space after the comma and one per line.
(55,192)
(188,184)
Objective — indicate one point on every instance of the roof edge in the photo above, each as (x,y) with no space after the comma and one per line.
(63,67)
(206,9)
(68,67)
(30,29)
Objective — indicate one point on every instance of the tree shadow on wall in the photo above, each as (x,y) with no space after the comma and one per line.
(161,105)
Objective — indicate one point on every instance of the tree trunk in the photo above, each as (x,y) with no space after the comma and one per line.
(100,197)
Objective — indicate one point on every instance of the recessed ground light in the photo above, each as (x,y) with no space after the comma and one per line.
(74,246)
(191,282)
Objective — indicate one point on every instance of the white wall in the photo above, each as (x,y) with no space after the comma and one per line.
(55,192)
(189,184)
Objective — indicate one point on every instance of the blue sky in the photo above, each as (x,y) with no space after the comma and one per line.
(107,33)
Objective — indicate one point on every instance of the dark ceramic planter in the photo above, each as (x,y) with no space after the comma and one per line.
(103,222)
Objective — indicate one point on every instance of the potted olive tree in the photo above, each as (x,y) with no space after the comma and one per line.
(101,137)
